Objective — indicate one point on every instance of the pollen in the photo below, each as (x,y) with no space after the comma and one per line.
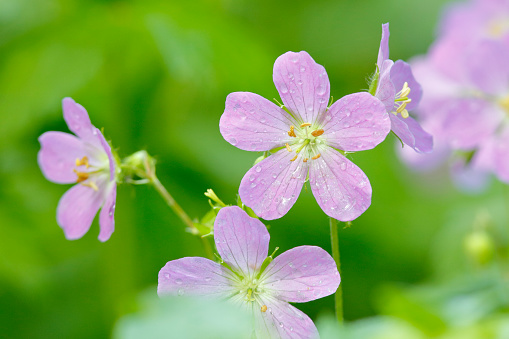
(317,132)
(306,124)
(305,160)
(295,157)
(82,162)
(264,308)
(288,148)
(92,185)
(82,176)
(291,132)
(316,156)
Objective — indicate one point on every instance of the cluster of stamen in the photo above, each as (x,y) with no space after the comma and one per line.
(402,100)
(306,138)
(83,176)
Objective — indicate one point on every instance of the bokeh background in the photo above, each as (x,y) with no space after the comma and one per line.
(155,75)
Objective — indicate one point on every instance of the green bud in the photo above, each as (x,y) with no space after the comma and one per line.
(480,247)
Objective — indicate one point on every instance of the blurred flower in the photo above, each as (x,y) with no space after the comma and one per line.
(397,88)
(85,159)
(305,135)
(255,282)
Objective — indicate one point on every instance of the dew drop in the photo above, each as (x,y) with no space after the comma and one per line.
(258,169)
(178,281)
(343,166)
(320,90)
(233,141)
(253,185)
(294,58)
(347,113)
(180,291)
(291,329)
(291,76)
(274,175)
(328,117)
(284,89)
(208,279)
(302,68)
(299,82)
(167,275)
(263,120)
(251,178)
(281,325)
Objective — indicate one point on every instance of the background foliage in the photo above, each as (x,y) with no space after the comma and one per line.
(155,75)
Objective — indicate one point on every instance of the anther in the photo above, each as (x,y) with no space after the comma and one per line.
(306,124)
(82,176)
(263,308)
(82,161)
(401,108)
(292,132)
(288,148)
(92,185)
(405,91)
(316,156)
(305,160)
(295,157)
(317,133)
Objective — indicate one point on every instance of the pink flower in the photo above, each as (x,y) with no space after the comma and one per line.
(252,280)
(85,159)
(310,140)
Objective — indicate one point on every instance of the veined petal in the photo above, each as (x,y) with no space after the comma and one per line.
(107,150)
(281,320)
(107,215)
(385,90)
(272,186)
(77,208)
(301,274)
(253,123)
(401,72)
(241,241)
(302,84)
(78,121)
(383,51)
(411,133)
(195,276)
(58,154)
(340,187)
(356,122)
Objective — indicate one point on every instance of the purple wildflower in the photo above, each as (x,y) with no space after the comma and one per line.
(85,159)
(400,93)
(306,135)
(252,280)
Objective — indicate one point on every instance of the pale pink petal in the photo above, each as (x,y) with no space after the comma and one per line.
(401,72)
(356,122)
(383,51)
(272,186)
(302,84)
(501,157)
(340,187)
(107,150)
(301,274)
(241,241)
(77,208)
(58,154)
(424,162)
(107,215)
(195,276)
(385,90)
(253,123)
(411,133)
(282,320)
(78,121)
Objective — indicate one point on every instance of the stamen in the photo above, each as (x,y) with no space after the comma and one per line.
(288,148)
(401,107)
(295,157)
(263,308)
(82,176)
(306,124)
(317,133)
(302,146)
(316,156)
(92,185)
(405,91)
(292,132)
(305,160)
(82,161)
(404,114)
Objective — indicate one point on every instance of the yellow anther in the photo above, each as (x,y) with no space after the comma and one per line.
(405,91)
(264,308)
(504,102)
(305,160)
(404,114)
(82,176)
(317,133)
(288,148)
(82,162)
(295,157)
(306,124)
(401,107)
(92,185)
(316,156)
(292,132)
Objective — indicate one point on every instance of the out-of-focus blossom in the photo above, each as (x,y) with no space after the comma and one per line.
(86,159)
(309,139)
(253,280)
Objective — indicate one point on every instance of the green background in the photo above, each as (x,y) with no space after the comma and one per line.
(155,75)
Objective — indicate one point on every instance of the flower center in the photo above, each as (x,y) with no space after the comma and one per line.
(497,28)
(307,138)
(82,176)
(402,100)
(504,103)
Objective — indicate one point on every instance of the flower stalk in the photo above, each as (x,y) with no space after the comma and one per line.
(338,296)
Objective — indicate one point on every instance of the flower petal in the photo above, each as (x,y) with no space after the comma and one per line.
(78,121)
(401,72)
(241,241)
(501,156)
(107,149)
(302,274)
(194,276)
(281,320)
(383,51)
(253,123)
(107,215)
(77,208)
(356,122)
(58,154)
(272,186)
(411,133)
(302,84)
(340,187)
(385,90)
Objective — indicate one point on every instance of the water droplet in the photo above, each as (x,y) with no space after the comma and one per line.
(274,175)
(347,113)
(302,68)
(281,325)
(167,275)
(208,278)
(178,281)
(294,58)
(258,169)
(328,117)
(284,89)
(233,141)
(299,82)
(263,120)
(320,90)
(343,166)
(290,264)
(310,108)
(291,76)
(291,329)
(180,291)
(251,177)
(292,91)
(253,185)
(263,182)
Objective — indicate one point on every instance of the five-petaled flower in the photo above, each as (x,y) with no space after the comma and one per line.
(85,159)
(252,280)
(397,88)
(312,139)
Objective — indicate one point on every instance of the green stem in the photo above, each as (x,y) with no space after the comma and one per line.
(338,296)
